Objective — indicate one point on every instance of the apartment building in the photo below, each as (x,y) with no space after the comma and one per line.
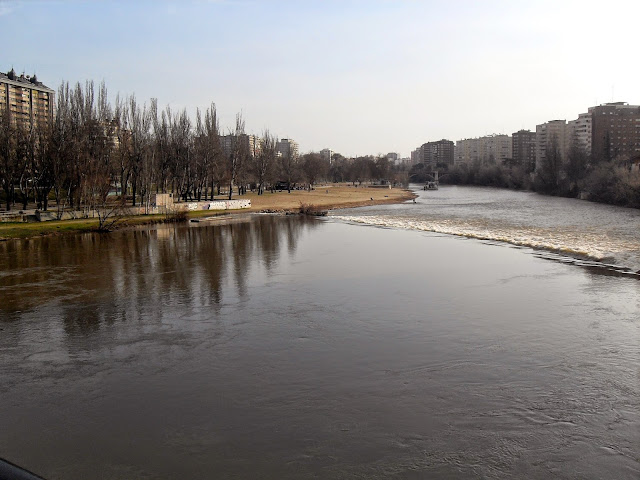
(523,149)
(326,154)
(615,130)
(557,131)
(438,153)
(466,151)
(488,149)
(416,156)
(286,147)
(249,143)
(25,99)
(581,131)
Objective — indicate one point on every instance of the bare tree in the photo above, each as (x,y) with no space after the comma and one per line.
(264,160)
(576,166)
(138,122)
(180,151)
(161,147)
(237,154)
(549,173)
(215,157)
(289,168)
(42,166)
(314,167)
(9,156)
(207,151)
(123,152)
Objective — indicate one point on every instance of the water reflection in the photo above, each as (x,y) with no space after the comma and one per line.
(175,352)
(93,279)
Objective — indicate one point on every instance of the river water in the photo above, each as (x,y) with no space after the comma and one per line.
(295,347)
(572,228)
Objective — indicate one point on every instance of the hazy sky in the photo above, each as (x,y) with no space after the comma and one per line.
(359,77)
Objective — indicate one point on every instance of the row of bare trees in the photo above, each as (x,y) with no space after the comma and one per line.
(92,149)
(93,155)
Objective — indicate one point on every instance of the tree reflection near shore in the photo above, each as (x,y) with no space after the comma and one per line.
(92,280)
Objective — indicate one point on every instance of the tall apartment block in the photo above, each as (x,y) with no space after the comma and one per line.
(249,143)
(326,154)
(286,147)
(487,149)
(557,131)
(581,131)
(416,156)
(438,153)
(25,99)
(523,150)
(615,130)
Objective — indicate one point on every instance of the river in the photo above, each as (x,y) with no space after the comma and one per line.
(425,340)
(574,229)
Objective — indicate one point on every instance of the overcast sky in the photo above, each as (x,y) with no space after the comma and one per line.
(359,77)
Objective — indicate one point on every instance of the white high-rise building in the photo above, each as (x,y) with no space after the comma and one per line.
(581,129)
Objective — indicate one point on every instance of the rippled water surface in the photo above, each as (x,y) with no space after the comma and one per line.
(607,234)
(289,347)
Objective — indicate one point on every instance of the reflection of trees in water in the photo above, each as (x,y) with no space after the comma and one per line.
(140,275)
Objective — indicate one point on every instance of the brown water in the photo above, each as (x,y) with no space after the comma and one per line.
(288,347)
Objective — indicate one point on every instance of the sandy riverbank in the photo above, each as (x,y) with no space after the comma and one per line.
(324,197)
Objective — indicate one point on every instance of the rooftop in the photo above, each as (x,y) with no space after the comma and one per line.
(26,80)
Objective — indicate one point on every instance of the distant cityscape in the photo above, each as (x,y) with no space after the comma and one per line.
(610,130)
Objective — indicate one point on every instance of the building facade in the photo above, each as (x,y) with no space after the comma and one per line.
(248,143)
(523,149)
(326,154)
(416,156)
(581,132)
(557,131)
(25,99)
(486,150)
(438,153)
(615,131)
(287,147)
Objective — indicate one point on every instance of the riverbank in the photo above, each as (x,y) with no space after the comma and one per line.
(324,197)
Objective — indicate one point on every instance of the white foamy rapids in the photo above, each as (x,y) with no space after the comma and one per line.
(596,247)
